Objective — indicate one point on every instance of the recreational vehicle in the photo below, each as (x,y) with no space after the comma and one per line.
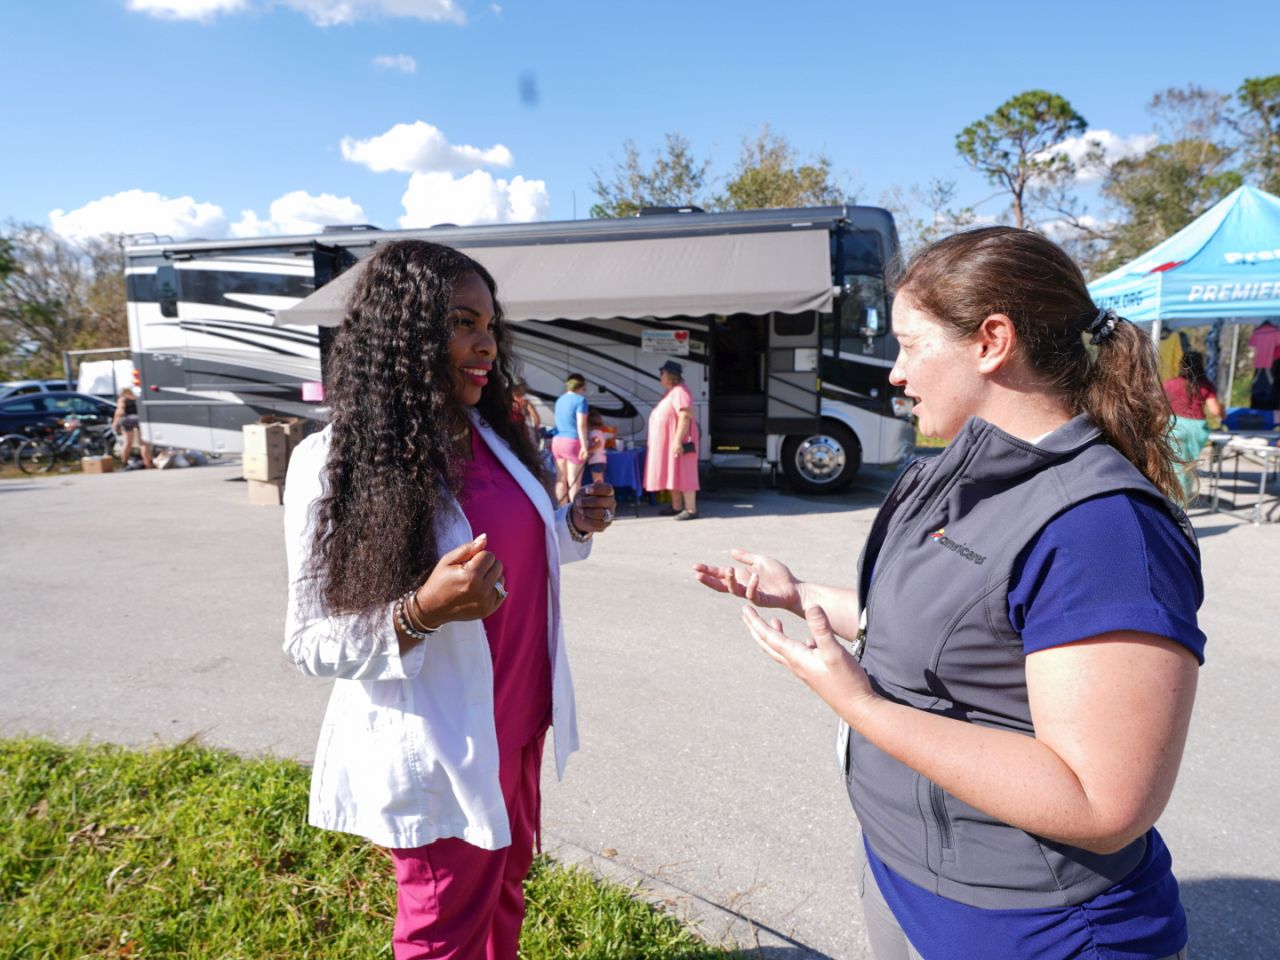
(778,316)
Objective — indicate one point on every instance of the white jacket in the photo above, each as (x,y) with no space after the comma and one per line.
(408,752)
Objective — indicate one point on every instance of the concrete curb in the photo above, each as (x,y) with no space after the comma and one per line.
(715,924)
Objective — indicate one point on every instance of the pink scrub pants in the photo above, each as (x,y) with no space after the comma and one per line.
(455,901)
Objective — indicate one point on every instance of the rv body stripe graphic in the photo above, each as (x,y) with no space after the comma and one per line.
(202,327)
(242,326)
(774,398)
(252,343)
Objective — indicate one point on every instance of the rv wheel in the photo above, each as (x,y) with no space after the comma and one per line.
(822,462)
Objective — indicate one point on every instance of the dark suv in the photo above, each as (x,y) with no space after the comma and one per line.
(35,409)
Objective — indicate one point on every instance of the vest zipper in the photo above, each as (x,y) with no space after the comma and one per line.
(937,801)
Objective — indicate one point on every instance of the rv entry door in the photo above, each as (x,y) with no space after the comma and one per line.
(739,345)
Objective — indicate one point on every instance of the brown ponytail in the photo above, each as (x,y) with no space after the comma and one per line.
(1125,398)
(965,278)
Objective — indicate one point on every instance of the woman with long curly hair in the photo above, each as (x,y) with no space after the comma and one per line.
(424,552)
(1023,639)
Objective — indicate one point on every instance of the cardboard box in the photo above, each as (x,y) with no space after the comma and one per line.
(266,451)
(265,493)
(97,464)
(265,468)
(292,428)
(264,438)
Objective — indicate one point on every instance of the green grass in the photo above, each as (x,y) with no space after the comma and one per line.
(923,441)
(189,852)
(10,471)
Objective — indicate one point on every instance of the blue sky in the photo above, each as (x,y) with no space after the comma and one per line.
(138,115)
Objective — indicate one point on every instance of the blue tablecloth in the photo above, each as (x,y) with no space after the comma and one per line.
(625,468)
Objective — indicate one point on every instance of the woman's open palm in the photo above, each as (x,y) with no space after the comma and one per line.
(764,582)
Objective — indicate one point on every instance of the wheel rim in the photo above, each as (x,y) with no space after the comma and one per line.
(35,458)
(821,458)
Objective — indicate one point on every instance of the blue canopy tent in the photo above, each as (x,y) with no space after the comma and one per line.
(1224,266)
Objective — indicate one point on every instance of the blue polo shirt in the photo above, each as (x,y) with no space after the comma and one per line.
(568,406)
(1116,562)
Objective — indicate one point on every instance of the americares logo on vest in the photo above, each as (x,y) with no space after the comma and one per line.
(939,536)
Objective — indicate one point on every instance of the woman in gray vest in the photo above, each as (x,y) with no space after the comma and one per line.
(1023,635)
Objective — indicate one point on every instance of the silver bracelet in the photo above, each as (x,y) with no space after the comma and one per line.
(406,625)
(578,535)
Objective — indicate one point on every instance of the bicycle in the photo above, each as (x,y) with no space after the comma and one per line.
(9,445)
(69,441)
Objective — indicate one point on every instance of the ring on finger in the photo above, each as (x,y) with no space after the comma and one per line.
(502,591)
(608,515)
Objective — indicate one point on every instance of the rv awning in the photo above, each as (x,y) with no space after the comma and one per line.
(754,273)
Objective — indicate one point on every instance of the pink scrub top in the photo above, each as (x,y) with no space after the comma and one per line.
(494,503)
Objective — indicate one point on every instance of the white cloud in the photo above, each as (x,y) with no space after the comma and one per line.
(1112,146)
(329,13)
(202,10)
(323,13)
(1060,230)
(420,148)
(433,198)
(401,61)
(183,218)
(298,212)
(138,211)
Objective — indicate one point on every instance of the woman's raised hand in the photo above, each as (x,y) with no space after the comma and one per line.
(765,582)
(593,508)
(466,584)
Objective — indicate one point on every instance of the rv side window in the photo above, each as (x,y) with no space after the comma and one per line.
(829,334)
(862,253)
(793,324)
(862,312)
(167,290)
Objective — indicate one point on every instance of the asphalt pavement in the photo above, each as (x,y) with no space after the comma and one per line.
(149,606)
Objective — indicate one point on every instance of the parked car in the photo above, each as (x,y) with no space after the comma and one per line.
(19,413)
(18,388)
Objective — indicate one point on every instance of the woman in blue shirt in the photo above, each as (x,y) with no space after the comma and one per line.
(1024,638)
(569,445)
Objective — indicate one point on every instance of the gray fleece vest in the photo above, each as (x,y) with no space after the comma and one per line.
(938,637)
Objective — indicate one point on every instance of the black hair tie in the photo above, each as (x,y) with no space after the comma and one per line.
(1103,325)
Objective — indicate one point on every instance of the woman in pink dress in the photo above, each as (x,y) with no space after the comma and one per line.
(672,461)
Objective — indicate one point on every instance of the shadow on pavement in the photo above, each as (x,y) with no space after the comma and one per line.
(1232,918)
(21,486)
(781,502)
(738,496)
(1203,533)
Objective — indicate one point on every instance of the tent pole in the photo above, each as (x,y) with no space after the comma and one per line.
(1155,323)
(1231,371)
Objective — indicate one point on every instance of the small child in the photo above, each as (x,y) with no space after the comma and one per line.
(596,458)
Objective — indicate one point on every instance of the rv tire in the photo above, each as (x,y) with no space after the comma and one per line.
(824,462)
